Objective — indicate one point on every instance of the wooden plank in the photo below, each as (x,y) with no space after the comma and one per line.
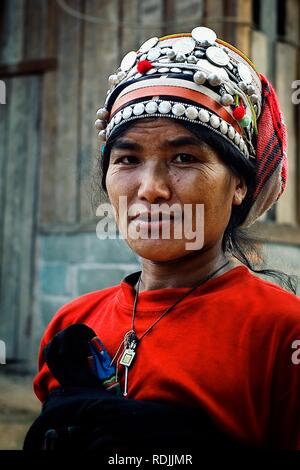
(12,43)
(150,18)
(28,67)
(96,67)
(286,65)
(34,29)
(259,51)
(243,31)
(49,122)
(65,191)
(187,15)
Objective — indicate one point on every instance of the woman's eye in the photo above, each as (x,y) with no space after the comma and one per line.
(127,160)
(185,158)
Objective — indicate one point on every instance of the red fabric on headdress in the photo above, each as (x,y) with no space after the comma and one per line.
(271,149)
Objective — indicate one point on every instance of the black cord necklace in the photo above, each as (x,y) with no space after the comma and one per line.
(131,340)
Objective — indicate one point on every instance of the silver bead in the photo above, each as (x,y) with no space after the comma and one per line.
(199,54)
(127,112)
(224,127)
(192,59)
(138,109)
(151,107)
(178,109)
(215,121)
(200,78)
(151,71)
(203,115)
(100,125)
(254,99)
(227,100)
(243,86)
(175,70)
(121,75)
(214,79)
(191,113)
(113,80)
(102,113)
(102,135)
(164,107)
(180,57)
(163,70)
(171,54)
(250,90)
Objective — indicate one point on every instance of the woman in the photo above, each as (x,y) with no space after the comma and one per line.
(188,121)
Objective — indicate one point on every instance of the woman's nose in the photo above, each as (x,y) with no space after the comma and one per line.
(154,185)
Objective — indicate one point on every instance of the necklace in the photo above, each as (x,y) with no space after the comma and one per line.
(131,340)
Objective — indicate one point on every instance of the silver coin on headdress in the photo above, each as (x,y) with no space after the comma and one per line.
(244,73)
(184,45)
(147,45)
(217,56)
(128,61)
(205,64)
(154,53)
(201,34)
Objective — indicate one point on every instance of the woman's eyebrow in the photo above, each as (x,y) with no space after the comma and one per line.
(180,141)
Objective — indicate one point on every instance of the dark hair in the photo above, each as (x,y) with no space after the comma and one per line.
(237,241)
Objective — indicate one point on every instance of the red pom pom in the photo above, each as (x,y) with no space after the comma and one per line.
(239,112)
(144,65)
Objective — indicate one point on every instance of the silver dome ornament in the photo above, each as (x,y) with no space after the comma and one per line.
(127,112)
(203,115)
(245,73)
(113,80)
(164,107)
(237,138)
(138,109)
(254,99)
(201,33)
(180,57)
(214,79)
(227,99)
(121,75)
(199,54)
(102,135)
(151,107)
(250,90)
(154,53)
(191,113)
(151,71)
(147,45)
(100,125)
(128,61)
(200,78)
(171,54)
(102,113)
(231,132)
(184,45)
(192,59)
(215,121)
(178,109)
(217,56)
(118,117)
(224,127)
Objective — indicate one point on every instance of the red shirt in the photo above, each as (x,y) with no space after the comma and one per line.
(226,347)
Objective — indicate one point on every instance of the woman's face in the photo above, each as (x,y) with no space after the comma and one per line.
(159,161)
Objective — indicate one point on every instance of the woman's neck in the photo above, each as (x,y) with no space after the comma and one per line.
(183,272)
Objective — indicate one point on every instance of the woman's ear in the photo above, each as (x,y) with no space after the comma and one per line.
(239,192)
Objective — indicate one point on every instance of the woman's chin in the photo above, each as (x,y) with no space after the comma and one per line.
(160,249)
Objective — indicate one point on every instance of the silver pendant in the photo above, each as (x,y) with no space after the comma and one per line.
(217,56)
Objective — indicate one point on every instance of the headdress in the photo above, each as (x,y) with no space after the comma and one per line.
(199,78)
